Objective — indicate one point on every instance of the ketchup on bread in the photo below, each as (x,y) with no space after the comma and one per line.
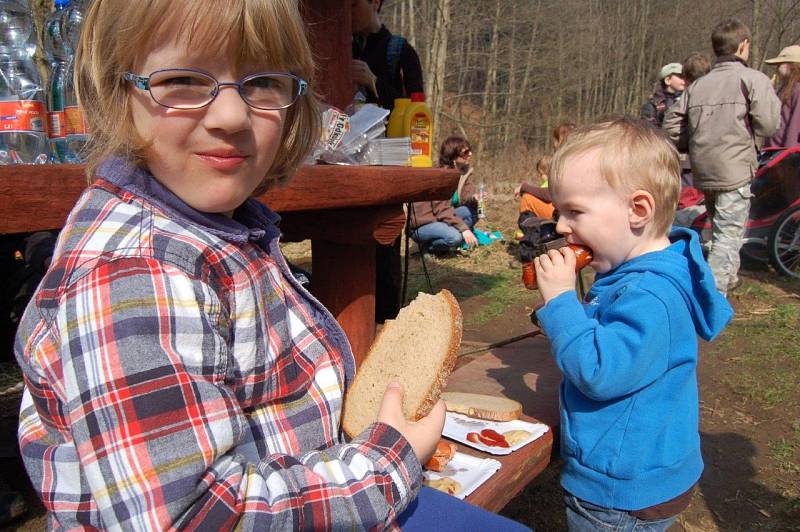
(583,256)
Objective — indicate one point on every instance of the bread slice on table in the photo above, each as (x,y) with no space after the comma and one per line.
(480,406)
(418,349)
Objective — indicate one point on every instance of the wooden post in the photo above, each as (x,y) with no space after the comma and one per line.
(349,297)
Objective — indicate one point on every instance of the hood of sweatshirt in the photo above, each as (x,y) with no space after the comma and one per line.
(682,264)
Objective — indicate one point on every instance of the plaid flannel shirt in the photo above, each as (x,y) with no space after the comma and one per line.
(177,376)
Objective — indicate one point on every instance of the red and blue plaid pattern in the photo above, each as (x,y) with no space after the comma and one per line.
(178,379)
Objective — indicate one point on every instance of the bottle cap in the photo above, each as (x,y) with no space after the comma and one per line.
(61,3)
(417,96)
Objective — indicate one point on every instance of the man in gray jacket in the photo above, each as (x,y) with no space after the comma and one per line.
(719,115)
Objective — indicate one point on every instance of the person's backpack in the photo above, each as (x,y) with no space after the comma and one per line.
(393,50)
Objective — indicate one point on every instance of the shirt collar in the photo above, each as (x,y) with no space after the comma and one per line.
(251,220)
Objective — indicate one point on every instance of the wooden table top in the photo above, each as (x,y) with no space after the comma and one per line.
(524,371)
(39,197)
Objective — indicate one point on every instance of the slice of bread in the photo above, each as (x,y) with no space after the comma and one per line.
(489,407)
(418,349)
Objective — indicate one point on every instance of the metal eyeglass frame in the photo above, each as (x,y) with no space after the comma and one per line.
(143,83)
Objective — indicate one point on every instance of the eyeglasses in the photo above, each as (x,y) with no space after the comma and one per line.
(183,88)
(466,152)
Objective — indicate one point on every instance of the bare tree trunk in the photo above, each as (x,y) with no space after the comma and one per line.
(756,55)
(489,102)
(412,34)
(437,66)
(510,125)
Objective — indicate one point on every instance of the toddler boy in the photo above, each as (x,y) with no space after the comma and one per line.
(628,353)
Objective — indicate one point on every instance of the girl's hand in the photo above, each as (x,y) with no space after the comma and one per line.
(518,191)
(423,435)
(555,272)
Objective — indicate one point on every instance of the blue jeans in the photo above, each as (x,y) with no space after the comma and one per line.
(469,216)
(434,510)
(583,516)
(441,237)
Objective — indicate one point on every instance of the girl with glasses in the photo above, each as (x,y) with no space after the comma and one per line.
(176,373)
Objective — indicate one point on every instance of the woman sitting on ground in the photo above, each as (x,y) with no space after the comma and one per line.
(456,152)
(435,225)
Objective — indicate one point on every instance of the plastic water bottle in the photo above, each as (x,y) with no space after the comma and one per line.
(77,135)
(482,201)
(57,54)
(23,133)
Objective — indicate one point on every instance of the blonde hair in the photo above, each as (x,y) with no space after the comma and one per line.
(543,165)
(118,32)
(632,155)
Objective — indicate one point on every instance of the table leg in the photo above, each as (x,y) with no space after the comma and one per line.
(344,281)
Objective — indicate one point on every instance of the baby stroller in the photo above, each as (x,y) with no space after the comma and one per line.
(772,233)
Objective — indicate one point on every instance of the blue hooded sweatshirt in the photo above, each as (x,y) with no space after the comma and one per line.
(629,402)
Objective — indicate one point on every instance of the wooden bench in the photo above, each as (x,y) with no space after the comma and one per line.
(524,371)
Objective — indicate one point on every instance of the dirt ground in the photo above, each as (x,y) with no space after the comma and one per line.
(750,398)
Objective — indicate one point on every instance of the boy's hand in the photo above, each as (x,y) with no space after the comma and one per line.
(555,272)
(423,435)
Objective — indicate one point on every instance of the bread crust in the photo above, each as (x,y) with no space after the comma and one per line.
(439,382)
(486,413)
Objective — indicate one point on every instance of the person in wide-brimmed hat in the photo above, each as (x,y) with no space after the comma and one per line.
(788,89)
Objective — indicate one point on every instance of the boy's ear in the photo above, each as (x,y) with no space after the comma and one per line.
(642,209)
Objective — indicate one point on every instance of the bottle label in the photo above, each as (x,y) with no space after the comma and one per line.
(74,123)
(420,135)
(23,115)
(55,120)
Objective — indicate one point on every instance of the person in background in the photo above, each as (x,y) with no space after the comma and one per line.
(628,350)
(535,197)
(695,66)
(720,114)
(456,152)
(384,67)
(560,133)
(788,89)
(435,225)
(668,89)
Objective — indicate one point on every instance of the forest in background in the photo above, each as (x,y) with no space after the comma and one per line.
(502,73)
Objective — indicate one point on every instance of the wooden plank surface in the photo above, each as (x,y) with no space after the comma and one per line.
(523,371)
(39,197)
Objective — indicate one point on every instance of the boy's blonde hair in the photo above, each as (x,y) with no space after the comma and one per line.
(632,155)
(117,33)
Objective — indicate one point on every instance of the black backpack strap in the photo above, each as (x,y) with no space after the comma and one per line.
(393,51)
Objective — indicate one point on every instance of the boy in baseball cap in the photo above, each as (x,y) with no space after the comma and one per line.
(668,89)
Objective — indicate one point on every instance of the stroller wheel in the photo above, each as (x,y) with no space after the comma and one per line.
(784,243)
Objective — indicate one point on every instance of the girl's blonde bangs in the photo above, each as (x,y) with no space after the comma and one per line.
(249,31)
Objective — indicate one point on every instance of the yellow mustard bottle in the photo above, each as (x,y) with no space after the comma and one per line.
(418,124)
(394,129)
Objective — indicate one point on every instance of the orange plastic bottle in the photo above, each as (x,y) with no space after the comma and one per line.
(418,124)
(583,256)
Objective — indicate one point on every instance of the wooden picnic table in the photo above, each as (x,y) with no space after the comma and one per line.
(523,371)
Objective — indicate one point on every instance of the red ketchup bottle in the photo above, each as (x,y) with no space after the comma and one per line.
(583,256)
